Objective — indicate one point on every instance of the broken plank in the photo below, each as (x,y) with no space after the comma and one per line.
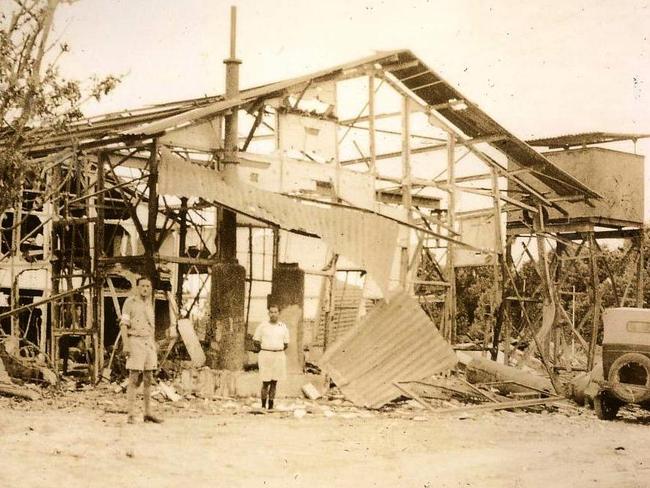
(413,395)
(169,392)
(18,391)
(487,395)
(191,342)
(504,405)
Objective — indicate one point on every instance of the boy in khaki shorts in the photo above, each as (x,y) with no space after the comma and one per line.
(138,333)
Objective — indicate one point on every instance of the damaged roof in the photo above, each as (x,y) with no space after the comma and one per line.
(403,65)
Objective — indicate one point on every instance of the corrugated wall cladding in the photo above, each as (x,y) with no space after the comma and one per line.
(347,301)
(395,342)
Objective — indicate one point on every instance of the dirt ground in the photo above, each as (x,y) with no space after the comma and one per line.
(82,439)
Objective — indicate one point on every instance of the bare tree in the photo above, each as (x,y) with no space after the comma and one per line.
(34,97)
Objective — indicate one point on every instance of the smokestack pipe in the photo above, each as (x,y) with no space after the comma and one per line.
(232,91)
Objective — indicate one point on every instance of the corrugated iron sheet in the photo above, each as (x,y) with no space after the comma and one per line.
(366,239)
(427,85)
(475,123)
(404,65)
(347,301)
(584,138)
(109,125)
(267,91)
(394,342)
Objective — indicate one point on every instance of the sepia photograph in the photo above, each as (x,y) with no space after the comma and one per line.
(324,243)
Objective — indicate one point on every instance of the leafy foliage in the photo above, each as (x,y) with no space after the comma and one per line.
(616,271)
(35,100)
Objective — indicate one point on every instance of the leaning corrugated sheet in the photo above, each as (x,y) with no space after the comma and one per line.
(395,342)
(366,239)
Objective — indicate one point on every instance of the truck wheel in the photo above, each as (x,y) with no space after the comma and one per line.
(606,407)
(629,376)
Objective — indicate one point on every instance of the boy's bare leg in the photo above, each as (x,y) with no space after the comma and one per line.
(146,390)
(134,377)
(272,385)
(148,417)
(264,392)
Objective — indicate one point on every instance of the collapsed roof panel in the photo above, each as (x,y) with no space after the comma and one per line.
(396,341)
(365,238)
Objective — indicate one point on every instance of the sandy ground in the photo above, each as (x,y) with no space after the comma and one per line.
(82,439)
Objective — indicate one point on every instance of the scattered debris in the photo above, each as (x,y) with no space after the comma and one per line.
(106,373)
(19,391)
(299,413)
(482,370)
(31,369)
(584,387)
(504,405)
(311,392)
(4,377)
(169,392)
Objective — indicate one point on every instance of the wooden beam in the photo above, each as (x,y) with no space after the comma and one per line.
(182,245)
(38,303)
(367,118)
(152,215)
(185,260)
(371,125)
(505,405)
(640,279)
(425,149)
(595,317)
(450,302)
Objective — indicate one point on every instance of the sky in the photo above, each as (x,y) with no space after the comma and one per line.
(539,68)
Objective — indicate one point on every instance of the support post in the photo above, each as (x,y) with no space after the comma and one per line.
(450,302)
(640,280)
(57,267)
(329,282)
(498,272)
(595,317)
(548,307)
(288,293)
(228,290)
(228,325)
(152,216)
(98,275)
(14,293)
(182,244)
(406,187)
(371,125)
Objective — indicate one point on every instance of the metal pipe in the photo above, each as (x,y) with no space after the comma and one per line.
(232,91)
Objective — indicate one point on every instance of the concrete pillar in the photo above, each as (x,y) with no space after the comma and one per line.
(228,325)
(288,293)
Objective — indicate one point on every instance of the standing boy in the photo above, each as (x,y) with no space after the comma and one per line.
(138,333)
(271,339)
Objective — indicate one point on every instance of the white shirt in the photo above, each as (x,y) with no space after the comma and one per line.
(272,337)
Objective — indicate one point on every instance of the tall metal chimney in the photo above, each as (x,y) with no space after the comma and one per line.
(232,91)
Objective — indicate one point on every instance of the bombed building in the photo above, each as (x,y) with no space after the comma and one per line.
(331,194)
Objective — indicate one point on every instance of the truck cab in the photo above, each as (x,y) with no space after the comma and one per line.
(626,360)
